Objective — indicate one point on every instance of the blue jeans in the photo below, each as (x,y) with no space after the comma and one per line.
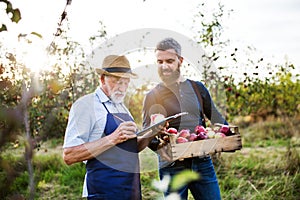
(206,188)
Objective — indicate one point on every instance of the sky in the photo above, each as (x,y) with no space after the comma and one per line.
(271,26)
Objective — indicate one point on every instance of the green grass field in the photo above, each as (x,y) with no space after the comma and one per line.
(268,167)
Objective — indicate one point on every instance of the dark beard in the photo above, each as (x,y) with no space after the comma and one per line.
(168,80)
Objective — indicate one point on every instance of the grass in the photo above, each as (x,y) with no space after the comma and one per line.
(268,167)
(259,174)
(275,133)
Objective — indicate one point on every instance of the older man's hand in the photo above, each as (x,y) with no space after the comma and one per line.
(125,131)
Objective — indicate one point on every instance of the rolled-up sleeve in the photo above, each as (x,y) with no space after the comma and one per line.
(78,128)
(86,122)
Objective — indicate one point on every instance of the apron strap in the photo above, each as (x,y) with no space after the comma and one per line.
(105,107)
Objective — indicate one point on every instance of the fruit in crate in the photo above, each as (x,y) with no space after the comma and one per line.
(156,118)
(202,136)
(211,134)
(219,135)
(216,129)
(181,140)
(224,129)
(201,133)
(193,137)
(172,130)
(208,129)
(199,129)
(185,133)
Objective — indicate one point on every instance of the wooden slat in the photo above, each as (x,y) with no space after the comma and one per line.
(203,147)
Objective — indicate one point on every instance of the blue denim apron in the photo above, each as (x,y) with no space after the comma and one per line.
(114,174)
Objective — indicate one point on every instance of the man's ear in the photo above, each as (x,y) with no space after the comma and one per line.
(102,77)
(181,59)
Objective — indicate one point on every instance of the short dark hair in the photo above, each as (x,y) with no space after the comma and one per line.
(169,43)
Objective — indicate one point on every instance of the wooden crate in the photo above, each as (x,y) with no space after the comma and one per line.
(173,151)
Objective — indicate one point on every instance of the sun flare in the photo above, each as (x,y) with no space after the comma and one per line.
(34,56)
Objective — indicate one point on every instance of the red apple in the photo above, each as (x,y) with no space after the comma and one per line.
(199,129)
(181,140)
(172,130)
(224,129)
(184,133)
(193,137)
(201,136)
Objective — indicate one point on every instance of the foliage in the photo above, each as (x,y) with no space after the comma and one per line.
(259,98)
(69,79)
(252,173)
(53,92)
(256,175)
(45,98)
(52,177)
(10,11)
(183,178)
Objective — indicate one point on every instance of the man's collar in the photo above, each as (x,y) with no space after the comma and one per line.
(102,96)
(181,79)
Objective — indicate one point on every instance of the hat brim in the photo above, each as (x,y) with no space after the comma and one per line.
(117,74)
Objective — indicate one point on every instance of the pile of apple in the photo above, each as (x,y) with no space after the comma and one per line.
(200,133)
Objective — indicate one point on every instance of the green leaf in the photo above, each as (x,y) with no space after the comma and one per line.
(16,15)
(3,28)
(36,34)
(183,178)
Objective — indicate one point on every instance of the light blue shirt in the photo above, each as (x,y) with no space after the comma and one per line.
(87,118)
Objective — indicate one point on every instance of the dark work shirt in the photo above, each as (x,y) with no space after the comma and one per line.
(170,100)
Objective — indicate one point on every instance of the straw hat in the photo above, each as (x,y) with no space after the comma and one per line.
(115,65)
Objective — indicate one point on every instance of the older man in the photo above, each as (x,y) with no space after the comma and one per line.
(101,132)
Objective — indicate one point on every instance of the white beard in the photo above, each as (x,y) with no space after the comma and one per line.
(116,98)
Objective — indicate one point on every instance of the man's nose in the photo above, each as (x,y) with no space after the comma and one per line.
(164,65)
(122,87)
